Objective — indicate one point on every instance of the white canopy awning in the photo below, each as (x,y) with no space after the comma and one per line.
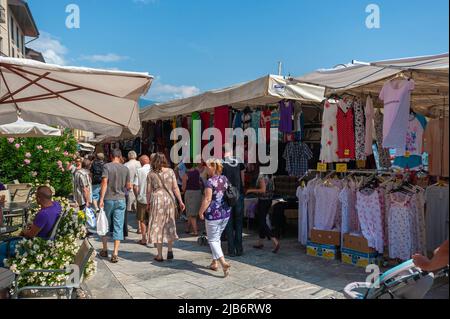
(430,74)
(86,147)
(27,129)
(266,90)
(99,101)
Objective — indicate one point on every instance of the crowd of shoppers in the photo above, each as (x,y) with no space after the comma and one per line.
(159,196)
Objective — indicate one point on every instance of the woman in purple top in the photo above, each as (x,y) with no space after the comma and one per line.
(216,212)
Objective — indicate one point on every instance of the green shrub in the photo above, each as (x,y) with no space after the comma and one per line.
(38,161)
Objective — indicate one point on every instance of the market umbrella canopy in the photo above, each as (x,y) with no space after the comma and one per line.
(263,91)
(430,74)
(22,128)
(99,101)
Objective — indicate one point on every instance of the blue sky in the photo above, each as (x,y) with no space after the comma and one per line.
(195,45)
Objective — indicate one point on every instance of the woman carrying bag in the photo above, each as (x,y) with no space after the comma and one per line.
(162,189)
(216,212)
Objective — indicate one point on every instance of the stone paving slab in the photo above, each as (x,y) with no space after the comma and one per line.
(258,274)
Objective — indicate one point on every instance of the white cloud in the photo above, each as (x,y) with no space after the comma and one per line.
(162,92)
(105,58)
(51,48)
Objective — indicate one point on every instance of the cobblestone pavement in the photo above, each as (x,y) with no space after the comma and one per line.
(290,274)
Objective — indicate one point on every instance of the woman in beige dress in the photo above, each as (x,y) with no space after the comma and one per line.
(162,189)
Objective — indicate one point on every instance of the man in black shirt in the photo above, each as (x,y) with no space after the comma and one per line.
(97,171)
(234,170)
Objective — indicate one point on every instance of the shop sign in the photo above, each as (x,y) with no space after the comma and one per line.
(341,168)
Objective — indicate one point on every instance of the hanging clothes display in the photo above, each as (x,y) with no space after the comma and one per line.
(237,122)
(256,120)
(401,227)
(329,139)
(297,155)
(246,118)
(360,131)
(436,140)
(265,122)
(396,96)
(302,196)
(298,112)
(437,215)
(205,118)
(345,131)
(410,156)
(384,158)
(196,127)
(347,197)
(221,122)
(327,207)
(370,218)
(286,113)
(370,114)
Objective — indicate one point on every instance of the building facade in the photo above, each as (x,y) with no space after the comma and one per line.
(16,23)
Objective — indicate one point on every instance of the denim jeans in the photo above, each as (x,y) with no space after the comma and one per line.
(234,228)
(115,212)
(96,192)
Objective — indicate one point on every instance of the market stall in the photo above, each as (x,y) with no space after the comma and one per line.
(99,101)
(391,119)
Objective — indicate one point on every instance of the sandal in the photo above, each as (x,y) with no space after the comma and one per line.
(140,242)
(277,248)
(213,267)
(258,246)
(226,270)
(160,260)
(114,259)
(104,254)
(170,255)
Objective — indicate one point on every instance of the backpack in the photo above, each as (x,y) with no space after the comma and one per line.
(231,195)
(8,249)
(97,172)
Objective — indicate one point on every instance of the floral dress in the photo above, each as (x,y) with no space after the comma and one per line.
(360,132)
(329,142)
(218,209)
(162,225)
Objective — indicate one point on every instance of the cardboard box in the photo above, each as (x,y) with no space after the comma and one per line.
(326,237)
(360,259)
(329,252)
(357,243)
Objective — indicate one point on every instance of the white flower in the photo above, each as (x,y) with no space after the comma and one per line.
(13,268)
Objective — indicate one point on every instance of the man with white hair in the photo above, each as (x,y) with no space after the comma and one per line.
(133,165)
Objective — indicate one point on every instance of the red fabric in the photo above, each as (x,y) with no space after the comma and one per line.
(185,124)
(265,123)
(205,117)
(221,122)
(346,134)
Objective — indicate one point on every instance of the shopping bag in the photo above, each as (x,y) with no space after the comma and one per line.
(102,223)
(91,219)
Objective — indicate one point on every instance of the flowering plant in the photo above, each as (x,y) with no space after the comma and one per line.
(41,159)
(38,253)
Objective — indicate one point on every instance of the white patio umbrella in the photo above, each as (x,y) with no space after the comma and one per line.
(100,101)
(22,128)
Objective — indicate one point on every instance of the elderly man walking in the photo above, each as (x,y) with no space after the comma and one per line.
(116,179)
(133,165)
(140,191)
